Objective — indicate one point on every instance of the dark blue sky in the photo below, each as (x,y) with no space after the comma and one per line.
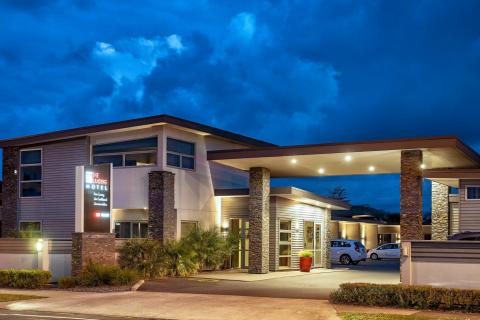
(291,72)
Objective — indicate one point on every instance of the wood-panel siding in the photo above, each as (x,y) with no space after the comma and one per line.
(446,251)
(469,218)
(55,209)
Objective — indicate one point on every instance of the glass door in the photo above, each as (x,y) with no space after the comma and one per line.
(239,227)
(308,240)
(285,244)
(317,251)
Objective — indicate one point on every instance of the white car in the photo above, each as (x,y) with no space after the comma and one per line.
(385,251)
(347,251)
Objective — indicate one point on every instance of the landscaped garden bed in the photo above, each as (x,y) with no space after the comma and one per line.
(24,279)
(403,296)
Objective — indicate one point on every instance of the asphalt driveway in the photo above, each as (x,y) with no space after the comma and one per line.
(304,286)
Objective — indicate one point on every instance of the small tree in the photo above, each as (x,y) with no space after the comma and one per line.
(339,193)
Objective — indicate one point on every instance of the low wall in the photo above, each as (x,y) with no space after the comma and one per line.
(452,264)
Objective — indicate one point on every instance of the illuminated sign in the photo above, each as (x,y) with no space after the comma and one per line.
(97,197)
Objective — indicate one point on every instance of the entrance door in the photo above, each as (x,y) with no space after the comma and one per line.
(239,227)
(317,251)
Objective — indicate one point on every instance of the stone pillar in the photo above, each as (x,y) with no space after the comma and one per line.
(327,237)
(162,216)
(259,220)
(411,195)
(92,247)
(439,211)
(10,172)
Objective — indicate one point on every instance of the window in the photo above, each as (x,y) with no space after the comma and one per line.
(187,227)
(285,244)
(31,173)
(131,229)
(472,192)
(30,229)
(180,154)
(133,153)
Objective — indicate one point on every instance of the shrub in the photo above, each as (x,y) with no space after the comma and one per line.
(209,246)
(97,275)
(420,297)
(178,259)
(26,279)
(142,255)
(305,254)
(67,282)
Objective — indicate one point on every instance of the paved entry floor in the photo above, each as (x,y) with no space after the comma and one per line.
(315,285)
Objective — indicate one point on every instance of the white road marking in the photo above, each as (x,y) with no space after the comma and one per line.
(45,317)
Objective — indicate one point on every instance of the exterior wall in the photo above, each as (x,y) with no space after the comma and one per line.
(92,247)
(432,262)
(334,230)
(10,190)
(350,230)
(281,208)
(469,216)
(369,235)
(55,209)
(162,215)
(454,218)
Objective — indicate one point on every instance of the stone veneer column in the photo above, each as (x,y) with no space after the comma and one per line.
(92,247)
(411,195)
(258,206)
(162,216)
(10,174)
(326,239)
(439,211)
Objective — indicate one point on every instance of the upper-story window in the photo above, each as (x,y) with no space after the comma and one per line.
(31,173)
(472,192)
(180,154)
(132,153)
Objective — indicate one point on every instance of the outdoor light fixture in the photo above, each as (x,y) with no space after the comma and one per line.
(329,206)
(423,166)
(321,171)
(39,245)
(348,158)
(293,161)
(371,168)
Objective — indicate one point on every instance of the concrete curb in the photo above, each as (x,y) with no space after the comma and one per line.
(137,285)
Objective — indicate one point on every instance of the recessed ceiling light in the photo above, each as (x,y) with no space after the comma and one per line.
(423,166)
(321,171)
(293,161)
(371,168)
(348,158)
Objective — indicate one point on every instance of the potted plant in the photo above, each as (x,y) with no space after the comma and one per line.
(306,258)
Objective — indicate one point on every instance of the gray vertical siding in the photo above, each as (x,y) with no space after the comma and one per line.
(281,208)
(469,218)
(56,207)
(454,222)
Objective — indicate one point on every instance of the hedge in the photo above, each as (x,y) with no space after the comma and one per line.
(96,275)
(418,297)
(24,279)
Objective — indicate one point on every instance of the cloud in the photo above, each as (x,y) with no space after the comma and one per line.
(243,26)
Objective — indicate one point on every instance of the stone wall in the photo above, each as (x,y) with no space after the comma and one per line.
(411,179)
(92,247)
(327,237)
(162,216)
(259,220)
(439,211)
(10,174)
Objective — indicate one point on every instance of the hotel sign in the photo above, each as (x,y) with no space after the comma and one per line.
(97,198)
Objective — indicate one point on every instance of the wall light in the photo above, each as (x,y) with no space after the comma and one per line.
(329,206)
(423,166)
(321,171)
(39,245)
(348,158)
(293,161)
(371,168)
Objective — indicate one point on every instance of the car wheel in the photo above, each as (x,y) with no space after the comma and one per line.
(345,259)
(374,256)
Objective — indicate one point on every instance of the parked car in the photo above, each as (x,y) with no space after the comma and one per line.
(385,251)
(347,251)
(466,236)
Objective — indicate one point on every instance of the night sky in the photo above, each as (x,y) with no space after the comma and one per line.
(289,72)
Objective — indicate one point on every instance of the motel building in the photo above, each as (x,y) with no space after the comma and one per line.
(85,190)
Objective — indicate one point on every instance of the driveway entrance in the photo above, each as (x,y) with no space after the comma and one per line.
(315,285)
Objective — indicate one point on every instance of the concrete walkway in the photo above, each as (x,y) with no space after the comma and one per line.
(174,305)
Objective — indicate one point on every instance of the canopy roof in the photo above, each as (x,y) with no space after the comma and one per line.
(351,158)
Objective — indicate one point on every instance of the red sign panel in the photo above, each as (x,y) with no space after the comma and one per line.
(97,197)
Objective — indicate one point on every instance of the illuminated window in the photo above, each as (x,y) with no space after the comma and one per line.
(180,154)
(187,227)
(133,153)
(473,192)
(31,173)
(30,229)
(131,229)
